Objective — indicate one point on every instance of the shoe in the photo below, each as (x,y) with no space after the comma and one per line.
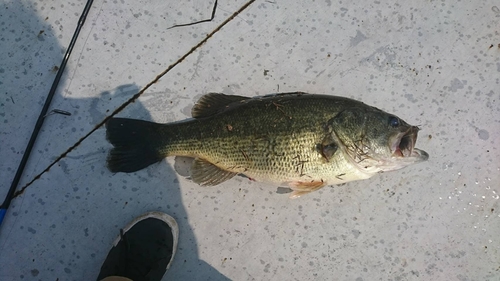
(144,250)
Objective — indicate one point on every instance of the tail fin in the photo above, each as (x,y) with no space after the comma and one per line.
(137,144)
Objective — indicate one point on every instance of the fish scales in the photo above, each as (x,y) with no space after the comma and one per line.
(277,144)
(302,140)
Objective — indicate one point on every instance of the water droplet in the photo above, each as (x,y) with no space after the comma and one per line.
(476,182)
(459,173)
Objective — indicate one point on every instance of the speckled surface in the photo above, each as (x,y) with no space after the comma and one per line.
(433,63)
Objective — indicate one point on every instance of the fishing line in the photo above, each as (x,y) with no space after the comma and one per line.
(136,96)
(6,203)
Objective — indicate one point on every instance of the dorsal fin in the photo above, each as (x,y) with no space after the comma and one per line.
(213,103)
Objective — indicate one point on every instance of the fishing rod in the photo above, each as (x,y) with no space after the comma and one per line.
(6,203)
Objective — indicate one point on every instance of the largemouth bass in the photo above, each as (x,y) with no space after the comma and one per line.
(300,140)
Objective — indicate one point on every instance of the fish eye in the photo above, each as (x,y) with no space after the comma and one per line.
(394,121)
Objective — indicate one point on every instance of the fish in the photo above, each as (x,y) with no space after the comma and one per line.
(300,140)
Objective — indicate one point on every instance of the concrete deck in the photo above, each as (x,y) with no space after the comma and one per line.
(435,64)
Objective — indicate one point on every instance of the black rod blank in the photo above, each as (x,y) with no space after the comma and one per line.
(43,114)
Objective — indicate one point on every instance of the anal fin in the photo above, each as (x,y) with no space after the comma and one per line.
(207,174)
(303,187)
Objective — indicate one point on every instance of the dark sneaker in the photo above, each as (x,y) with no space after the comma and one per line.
(144,250)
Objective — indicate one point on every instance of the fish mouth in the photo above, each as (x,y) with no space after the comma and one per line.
(403,145)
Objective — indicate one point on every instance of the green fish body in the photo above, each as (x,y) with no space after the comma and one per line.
(304,141)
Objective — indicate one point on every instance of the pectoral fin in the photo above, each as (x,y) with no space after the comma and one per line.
(327,148)
(206,173)
(303,187)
